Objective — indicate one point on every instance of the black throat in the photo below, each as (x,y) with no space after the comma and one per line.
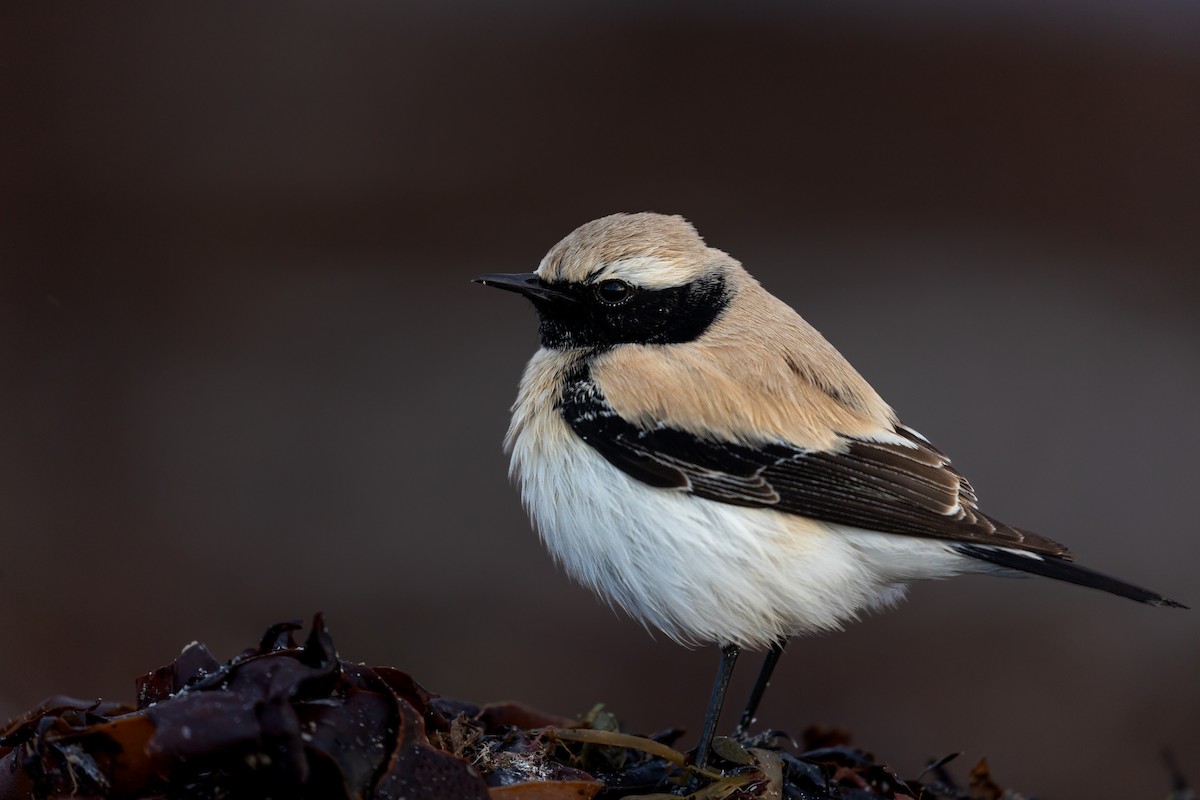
(651,316)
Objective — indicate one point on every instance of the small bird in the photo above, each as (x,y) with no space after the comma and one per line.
(692,450)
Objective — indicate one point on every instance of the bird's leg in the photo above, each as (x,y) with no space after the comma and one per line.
(760,686)
(729,654)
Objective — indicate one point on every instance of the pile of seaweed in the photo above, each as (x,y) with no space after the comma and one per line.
(288,720)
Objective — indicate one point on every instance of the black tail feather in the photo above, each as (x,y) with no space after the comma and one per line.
(1064,570)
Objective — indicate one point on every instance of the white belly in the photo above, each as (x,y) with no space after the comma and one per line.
(699,570)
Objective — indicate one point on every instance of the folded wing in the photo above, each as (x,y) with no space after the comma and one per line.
(894,483)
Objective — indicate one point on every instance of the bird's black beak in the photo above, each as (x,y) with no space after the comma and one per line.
(526,283)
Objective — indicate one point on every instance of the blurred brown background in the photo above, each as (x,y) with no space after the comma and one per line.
(245,377)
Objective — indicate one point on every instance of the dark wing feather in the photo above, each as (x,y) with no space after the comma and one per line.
(1063,570)
(879,486)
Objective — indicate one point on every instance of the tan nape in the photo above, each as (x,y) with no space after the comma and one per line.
(759,373)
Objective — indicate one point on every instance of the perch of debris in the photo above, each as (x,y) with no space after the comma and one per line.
(290,720)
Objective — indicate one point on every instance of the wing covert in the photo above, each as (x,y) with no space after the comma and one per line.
(898,484)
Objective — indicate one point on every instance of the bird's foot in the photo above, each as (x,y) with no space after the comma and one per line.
(768,739)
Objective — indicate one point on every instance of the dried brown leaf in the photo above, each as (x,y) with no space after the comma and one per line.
(547,790)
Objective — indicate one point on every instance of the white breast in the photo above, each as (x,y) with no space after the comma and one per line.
(699,570)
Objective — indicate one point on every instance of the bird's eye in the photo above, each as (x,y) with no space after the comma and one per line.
(613,292)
